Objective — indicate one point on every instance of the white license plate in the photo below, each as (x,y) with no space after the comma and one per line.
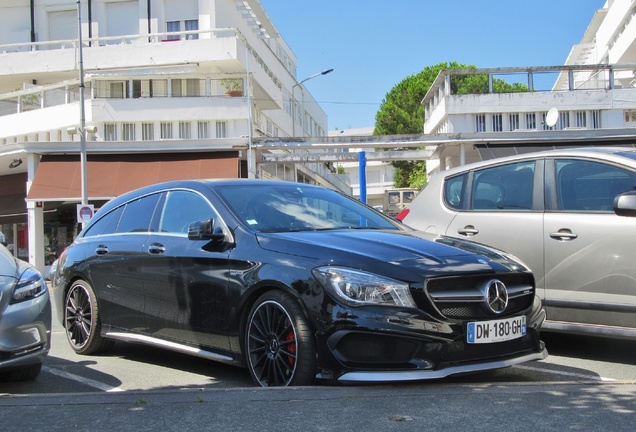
(496,330)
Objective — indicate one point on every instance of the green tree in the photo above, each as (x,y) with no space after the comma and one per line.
(401,111)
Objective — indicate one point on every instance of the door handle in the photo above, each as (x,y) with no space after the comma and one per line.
(468,230)
(563,234)
(156,248)
(101,250)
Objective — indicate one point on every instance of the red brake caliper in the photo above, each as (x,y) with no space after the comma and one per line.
(291,348)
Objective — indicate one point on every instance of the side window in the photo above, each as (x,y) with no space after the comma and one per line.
(454,191)
(137,214)
(106,224)
(505,187)
(590,186)
(181,209)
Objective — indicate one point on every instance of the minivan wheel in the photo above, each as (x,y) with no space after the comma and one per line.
(279,344)
(81,320)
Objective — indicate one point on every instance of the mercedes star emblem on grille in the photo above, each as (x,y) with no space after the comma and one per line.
(496,296)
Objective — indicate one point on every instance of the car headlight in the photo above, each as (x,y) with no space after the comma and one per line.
(358,288)
(30,285)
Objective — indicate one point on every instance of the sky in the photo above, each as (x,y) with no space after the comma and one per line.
(372,45)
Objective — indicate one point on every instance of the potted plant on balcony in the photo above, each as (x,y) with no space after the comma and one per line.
(233,86)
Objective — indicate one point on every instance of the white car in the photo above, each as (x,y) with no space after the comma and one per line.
(567,214)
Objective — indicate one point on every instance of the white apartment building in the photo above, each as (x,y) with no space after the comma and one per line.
(589,100)
(172,89)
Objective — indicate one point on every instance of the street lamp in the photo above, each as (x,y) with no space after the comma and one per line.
(325,72)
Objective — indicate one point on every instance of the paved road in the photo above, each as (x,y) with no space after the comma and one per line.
(586,383)
(130,367)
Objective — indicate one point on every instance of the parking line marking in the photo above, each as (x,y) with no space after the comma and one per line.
(86,381)
(572,374)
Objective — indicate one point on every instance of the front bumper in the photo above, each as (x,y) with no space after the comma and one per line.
(25,333)
(413,375)
(404,347)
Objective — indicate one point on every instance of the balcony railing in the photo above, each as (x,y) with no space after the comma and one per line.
(530,79)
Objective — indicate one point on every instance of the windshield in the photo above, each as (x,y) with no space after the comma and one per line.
(297,207)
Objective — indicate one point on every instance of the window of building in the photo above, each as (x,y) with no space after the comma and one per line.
(287,105)
(190,87)
(192,25)
(166,130)
(630,118)
(513,121)
(185,131)
(596,119)
(187,25)
(497,122)
(580,118)
(122,19)
(173,27)
(221,129)
(147,131)
(110,132)
(203,129)
(149,88)
(544,123)
(480,123)
(564,120)
(128,131)
(531,120)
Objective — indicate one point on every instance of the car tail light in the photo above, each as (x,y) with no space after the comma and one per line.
(402,214)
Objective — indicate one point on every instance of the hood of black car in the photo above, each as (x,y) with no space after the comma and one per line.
(404,248)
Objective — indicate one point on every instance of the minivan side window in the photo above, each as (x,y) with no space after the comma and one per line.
(454,191)
(590,186)
(504,187)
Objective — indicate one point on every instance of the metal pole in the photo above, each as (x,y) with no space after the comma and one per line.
(362,162)
(251,153)
(82,130)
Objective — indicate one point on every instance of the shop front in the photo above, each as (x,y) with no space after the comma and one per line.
(44,221)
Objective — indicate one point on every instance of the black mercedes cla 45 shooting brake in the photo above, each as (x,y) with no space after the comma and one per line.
(294,282)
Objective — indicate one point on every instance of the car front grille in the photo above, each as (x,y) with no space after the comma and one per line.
(462,297)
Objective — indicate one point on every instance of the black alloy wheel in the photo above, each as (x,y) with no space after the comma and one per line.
(81,320)
(280,346)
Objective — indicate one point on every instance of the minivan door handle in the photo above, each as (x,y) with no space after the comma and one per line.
(156,248)
(101,250)
(563,234)
(468,230)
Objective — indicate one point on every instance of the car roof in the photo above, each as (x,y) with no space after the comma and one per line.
(616,154)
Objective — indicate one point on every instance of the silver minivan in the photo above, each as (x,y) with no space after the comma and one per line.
(570,215)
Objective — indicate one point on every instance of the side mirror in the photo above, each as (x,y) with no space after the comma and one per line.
(205,230)
(625,204)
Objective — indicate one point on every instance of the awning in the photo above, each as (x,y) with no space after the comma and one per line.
(58,178)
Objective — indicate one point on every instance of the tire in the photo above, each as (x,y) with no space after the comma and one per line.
(82,321)
(28,373)
(279,344)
